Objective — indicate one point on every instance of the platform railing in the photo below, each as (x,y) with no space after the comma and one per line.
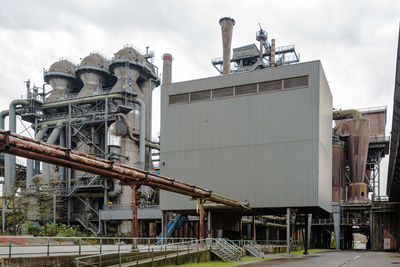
(28,246)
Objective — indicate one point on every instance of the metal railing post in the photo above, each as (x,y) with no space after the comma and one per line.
(48,246)
(80,245)
(188,252)
(197,258)
(177,253)
(165,256)
(101,245)
(120,260)
(119,245)
(9,247)
(152,257)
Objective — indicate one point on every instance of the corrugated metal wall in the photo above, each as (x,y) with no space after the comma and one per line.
(262,148)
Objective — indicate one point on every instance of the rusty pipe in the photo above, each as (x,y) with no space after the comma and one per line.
(14,144)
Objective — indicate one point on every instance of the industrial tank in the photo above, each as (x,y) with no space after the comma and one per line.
(61,77)
(94,73)
(338,173)
(358,142)
(126,65)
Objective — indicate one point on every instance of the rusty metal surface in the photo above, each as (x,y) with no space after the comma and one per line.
(338,174)
(18,145)
(358,142)
(358,193)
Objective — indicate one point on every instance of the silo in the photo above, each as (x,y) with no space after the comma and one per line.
(126,65)
(357,143)
(61,77)
(338,173)
(94,73)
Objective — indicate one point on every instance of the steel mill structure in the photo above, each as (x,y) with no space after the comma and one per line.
(100,107)
(259,150)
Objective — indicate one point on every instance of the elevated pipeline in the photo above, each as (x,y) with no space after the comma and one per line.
(18,145)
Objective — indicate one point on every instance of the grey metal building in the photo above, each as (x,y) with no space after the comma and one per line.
(262,137)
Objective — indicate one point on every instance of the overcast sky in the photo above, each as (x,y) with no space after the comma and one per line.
(355,40)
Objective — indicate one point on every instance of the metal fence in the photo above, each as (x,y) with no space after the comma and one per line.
(266,243)
(154,253)
(13,246)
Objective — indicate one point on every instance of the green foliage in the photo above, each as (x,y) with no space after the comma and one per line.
(30,228)
(51,229)
(64,230)
(17,209)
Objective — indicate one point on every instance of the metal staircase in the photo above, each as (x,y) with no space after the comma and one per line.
(86,182)
(254,249)
(83,220)
(226,250)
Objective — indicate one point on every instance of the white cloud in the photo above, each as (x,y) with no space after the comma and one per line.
(355,40)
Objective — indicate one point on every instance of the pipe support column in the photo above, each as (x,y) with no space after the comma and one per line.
(135,221)
(336,224)
(288,230)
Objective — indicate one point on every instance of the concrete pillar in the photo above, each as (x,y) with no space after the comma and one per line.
(164,226)
(306,239)
(309,229)
(248,231)
(288,230)
(336,223)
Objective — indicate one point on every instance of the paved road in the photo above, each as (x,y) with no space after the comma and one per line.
(336,258)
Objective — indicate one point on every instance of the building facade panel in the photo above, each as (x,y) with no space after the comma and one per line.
(258,147)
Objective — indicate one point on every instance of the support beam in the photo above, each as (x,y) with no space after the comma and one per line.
(135,220)
(201,230)
(306,223)
(309,219)
(164,222)
(288,230)
(209,225)
(254,229)
(336,224)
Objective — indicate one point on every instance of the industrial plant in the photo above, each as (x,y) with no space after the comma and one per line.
(256,152)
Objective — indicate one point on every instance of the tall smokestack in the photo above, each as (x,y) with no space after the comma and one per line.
(167,68)
(226,30)
(272,59)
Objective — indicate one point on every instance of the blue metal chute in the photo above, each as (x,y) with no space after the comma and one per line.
(173,226)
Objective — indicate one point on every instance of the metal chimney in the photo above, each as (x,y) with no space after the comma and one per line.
(226,30)
(167,68)
(272,59)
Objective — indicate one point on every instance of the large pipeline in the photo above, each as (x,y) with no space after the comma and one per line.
(18,145)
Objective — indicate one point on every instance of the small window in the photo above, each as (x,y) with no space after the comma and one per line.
(296,82)
(223,92)
(270,86)
(181,98)
(246,89)
(202,95)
